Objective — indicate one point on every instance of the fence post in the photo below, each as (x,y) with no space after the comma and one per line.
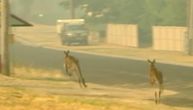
(190,26)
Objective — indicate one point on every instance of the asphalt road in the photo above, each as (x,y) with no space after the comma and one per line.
(110,71)
(96,69)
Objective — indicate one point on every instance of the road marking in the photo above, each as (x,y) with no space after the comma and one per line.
(123,57)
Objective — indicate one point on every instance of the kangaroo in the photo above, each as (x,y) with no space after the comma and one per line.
(72,67)
(155,77)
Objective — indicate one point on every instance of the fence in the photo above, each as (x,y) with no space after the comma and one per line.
(121,34)
(169,38)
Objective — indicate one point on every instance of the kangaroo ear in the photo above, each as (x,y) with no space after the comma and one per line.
(154,61)
(68,51)
(148,60)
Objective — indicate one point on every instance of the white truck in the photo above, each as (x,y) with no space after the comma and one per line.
(72,31)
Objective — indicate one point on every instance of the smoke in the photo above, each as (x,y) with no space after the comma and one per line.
(21,7)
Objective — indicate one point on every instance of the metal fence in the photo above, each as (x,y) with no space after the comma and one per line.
(121,34)
(169,38)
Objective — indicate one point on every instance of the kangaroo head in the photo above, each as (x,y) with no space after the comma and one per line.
(66,52)
(152,63)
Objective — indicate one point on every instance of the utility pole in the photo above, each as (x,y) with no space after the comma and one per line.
(5,37)
(190,26)
(72,9)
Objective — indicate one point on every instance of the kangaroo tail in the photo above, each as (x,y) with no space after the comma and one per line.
(81,76)
(161,87)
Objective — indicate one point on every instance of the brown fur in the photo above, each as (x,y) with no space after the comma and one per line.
(155,77)
(72,67)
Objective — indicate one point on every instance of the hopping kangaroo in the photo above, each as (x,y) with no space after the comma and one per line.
(155,77)
(72,67)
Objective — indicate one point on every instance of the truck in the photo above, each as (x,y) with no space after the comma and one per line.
(72,31)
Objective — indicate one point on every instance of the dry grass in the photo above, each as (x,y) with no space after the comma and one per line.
(29,72)
(22,99)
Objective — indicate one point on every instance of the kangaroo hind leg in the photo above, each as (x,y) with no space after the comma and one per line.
(159,95)
(156,100)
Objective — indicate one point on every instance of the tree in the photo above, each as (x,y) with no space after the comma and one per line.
(71,5)
(174,13)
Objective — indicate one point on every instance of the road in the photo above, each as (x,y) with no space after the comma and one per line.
(111,71)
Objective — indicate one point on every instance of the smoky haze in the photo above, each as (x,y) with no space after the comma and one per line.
(39,11)
(111,41)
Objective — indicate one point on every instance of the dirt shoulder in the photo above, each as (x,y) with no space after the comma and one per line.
(22,94)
